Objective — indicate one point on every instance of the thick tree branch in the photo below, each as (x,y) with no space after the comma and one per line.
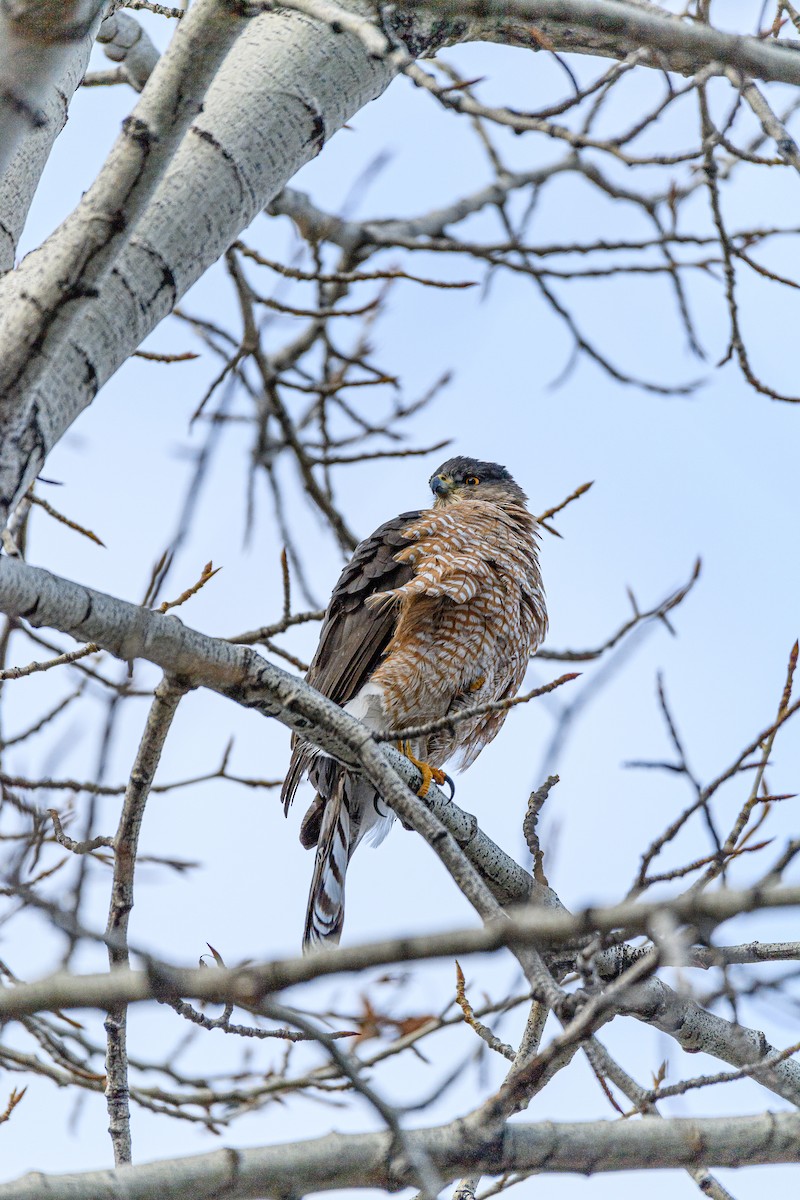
(615,28)
(59,72)
(367,1160)
(695,1028)
(47,293)
(35,38)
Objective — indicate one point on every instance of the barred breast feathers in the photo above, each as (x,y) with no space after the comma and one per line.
(468,620)
(456,550)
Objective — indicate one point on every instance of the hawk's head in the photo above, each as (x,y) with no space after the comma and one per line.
(459,478)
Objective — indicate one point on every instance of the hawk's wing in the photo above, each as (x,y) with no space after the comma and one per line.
(354,635)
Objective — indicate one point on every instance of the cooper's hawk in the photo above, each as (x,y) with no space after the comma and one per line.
(438,611)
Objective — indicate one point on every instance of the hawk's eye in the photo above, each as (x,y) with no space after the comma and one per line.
(472,480)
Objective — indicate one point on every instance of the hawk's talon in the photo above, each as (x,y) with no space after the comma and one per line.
(429,774)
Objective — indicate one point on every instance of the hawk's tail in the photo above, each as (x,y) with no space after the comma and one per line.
(325,912)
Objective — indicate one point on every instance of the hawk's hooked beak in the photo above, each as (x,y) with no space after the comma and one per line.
(442,486)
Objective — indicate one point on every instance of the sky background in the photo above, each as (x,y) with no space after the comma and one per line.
(713,476)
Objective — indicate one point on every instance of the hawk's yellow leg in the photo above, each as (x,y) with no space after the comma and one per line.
(429,774)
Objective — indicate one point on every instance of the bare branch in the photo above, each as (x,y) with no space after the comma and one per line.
(365,1160)
(247,985)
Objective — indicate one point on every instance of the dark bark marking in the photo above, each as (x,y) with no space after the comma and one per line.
(167,281)
(30,445)
(318,133)
(140,132)
(33,115)
(33,300)
(121,279)
(423,41)
(206,136)
(89,371)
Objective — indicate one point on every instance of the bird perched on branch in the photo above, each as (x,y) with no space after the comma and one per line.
(437,612)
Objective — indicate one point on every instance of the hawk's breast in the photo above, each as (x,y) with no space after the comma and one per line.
(468,621)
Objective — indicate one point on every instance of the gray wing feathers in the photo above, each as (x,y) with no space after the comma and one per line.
(354,636)
(353,640)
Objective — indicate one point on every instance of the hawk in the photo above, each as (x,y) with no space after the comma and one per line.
(437,611)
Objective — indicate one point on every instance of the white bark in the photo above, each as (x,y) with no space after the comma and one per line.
(370,1160)
(38,301)
(696,1029)
(124,41)
(35,38)
(53,73)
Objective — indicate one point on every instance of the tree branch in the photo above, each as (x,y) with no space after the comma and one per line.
(615,28)
(247,985)
(35,36)
(56,76)
(126,844)
(48,293)
(366,1160)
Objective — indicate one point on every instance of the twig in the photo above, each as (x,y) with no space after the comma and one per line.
(483,1031)
(452,719)
(60,661)
(165,702)
(53,512)
(208,572)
